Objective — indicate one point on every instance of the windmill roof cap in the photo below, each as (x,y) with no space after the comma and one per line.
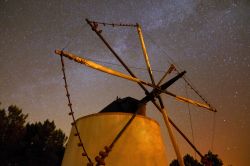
(127,104)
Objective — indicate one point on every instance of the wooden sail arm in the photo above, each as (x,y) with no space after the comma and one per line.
(170,69)
(190,101)
(101,68)
(145,53)
(156,93)
(158,90)
(96,66)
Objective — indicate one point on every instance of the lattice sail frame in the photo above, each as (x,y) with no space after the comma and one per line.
(157,90)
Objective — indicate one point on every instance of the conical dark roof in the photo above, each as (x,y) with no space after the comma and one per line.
(127,104)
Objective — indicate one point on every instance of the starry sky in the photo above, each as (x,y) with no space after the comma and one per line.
(208,39)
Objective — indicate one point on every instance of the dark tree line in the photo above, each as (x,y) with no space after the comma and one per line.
(29,144)
(209,159)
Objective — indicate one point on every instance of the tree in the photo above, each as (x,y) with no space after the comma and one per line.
(209,159)
(43,144)
(12,130)
(188,161)
(29,144)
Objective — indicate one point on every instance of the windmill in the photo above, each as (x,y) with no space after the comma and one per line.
(154,96)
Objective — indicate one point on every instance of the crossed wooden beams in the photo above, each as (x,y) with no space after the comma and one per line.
(107,70)
(150,96)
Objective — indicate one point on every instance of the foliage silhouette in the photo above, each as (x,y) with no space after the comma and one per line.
(188,161)
(24,144)
(209,159)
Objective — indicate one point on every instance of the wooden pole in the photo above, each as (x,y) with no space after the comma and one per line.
(183,99)
(170,69)
(172,137)
(164,114)
(145,53)
(101,68)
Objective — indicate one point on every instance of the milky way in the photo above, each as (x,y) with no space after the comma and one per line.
(210,40)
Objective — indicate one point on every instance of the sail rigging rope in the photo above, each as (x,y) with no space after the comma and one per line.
(190,118)
(114,24)
(213,131)
(71,113)
(213,128)
(171,61)
(102,155)
(132,67)
(73,37)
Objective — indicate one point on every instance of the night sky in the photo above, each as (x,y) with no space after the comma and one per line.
(208,39)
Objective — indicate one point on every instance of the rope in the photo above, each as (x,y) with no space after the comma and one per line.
(114,24)
(213,131)
(171,61)
(190,118)
(71,113)
(73,37)
(132,67)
